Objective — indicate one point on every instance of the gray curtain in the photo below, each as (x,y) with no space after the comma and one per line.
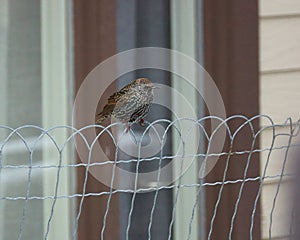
(146,24)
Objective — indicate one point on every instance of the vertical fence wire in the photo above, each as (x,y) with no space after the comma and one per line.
(292,132)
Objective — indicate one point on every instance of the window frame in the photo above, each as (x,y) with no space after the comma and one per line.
(56,110)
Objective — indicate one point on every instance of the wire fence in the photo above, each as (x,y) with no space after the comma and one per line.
(38,180)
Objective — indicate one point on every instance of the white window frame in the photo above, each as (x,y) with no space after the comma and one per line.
(56,94)
(183,39)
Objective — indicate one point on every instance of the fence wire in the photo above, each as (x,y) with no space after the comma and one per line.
(29,153)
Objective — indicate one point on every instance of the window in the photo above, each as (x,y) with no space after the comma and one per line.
(34,90)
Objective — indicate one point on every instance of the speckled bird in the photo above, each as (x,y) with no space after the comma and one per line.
(130,104)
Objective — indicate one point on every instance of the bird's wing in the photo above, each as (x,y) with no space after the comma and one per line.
(117,95)
(118,98)
(114,98)
(122,101)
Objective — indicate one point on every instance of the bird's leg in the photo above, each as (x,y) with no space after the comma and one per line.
(127,125)
(142,122)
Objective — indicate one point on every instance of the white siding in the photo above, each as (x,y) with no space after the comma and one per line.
(278,7)
(277,155)
(279,44)
(279,98)
(281,217)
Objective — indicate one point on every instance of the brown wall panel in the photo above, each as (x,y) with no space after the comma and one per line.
(94,41)
(231,57)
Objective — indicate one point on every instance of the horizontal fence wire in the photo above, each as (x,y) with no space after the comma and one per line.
(29,152)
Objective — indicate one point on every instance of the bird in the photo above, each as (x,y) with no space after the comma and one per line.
(130,104)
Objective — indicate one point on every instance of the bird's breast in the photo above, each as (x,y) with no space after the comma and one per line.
(131,103)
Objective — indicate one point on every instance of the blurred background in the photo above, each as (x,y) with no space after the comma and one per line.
(250,48)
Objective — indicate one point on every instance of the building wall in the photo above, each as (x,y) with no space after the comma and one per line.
(279,98)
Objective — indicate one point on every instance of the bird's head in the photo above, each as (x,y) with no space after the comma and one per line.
(144,83)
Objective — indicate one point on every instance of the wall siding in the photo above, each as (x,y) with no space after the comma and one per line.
(279,98)
(271,8)
(279,44)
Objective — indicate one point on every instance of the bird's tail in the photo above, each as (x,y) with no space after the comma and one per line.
(101,117)
(106,113)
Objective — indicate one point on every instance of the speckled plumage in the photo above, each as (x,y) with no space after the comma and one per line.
(130,104)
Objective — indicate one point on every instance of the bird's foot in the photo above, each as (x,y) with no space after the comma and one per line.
(142,122)
(127,125)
